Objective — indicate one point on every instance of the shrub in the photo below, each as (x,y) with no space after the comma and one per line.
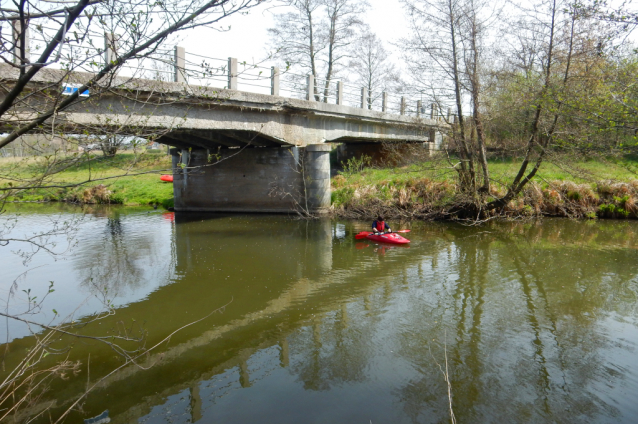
(356,165)
(97,194)
(591,215)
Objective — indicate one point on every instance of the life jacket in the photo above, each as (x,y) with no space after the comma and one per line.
(381,226)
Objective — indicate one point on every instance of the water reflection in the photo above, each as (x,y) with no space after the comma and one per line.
(537,320)
(119,257)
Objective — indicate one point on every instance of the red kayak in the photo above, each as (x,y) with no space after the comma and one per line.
(393,238)
(167,178)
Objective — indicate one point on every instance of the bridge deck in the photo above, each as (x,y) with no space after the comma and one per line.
(184,115)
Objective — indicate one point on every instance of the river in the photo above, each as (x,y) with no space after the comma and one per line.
(535,321)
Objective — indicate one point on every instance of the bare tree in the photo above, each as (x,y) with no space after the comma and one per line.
(372,66)
(451,57)
(343,23)
(299,36)
(444,57)
(315,37)
(555,23)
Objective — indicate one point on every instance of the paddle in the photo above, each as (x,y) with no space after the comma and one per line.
(363,234)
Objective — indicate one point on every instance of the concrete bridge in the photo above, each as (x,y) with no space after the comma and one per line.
(235,150)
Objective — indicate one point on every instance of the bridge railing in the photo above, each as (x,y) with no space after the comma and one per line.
(90,53)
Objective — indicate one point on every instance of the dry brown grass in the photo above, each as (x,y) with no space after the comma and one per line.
(99,194)
(426,199)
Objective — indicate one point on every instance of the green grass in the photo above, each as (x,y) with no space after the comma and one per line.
(147,189)
(125,187)
(586,171)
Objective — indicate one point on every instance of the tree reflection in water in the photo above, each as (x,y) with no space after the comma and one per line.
(122,258)
(519,325)
(538,320)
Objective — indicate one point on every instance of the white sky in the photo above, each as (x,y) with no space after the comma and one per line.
(248,37)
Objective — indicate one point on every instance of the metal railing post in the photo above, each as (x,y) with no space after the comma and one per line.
(384,102)
(402,105)
(433,111)
(232,73)
(180,64)
(274,81)
(310,87)
(419,107)
(340,93)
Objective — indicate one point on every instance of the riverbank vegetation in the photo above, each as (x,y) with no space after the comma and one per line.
(424,188)
(604,187)
(555,82)
(125,178)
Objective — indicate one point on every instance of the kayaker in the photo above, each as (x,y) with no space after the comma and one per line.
(380,226)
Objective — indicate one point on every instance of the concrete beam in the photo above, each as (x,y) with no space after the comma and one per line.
(248,139)
(204,143)
(208,136)
(170,141)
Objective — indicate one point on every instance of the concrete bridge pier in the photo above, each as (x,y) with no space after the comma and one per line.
(256,179)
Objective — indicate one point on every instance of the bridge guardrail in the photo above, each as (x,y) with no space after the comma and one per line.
(90,53)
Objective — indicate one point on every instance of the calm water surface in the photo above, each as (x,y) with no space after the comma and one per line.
(539,321)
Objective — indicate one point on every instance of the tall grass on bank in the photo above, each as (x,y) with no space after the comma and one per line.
(428,191)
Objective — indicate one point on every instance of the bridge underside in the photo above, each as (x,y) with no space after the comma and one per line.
(218,139)
(232,139)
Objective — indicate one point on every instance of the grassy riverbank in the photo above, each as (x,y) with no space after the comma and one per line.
(586,188)
(126,178)
(603,188)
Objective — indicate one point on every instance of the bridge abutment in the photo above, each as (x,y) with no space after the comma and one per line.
(264,179)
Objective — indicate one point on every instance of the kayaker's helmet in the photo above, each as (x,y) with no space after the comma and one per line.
(380,218)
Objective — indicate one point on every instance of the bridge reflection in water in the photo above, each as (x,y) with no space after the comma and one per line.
(538,321)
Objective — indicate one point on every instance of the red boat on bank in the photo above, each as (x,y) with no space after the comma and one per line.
(167,178)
